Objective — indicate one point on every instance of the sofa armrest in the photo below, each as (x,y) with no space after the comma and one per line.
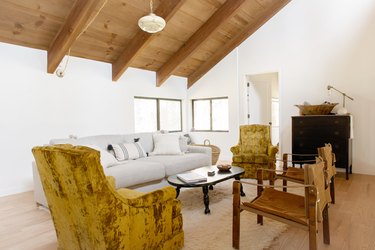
(138,199)
(39,197)
(200,149)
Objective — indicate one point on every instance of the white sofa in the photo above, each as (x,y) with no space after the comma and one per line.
(144,174)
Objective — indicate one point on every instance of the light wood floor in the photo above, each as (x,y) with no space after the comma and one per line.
(352,221)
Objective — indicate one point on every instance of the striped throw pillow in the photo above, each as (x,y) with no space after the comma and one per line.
(127,151)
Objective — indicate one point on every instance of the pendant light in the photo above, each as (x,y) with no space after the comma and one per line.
(151,23)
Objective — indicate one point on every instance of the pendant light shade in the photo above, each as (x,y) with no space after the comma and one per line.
(151,23)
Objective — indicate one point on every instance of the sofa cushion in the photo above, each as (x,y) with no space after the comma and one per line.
(135,172)
(106,159)
(127,151)
(145,139)
(183,141)
(166,144)
(179,163)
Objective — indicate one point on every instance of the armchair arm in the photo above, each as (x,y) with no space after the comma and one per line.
(235,149)
(272,150)
(112,181)
(138,199)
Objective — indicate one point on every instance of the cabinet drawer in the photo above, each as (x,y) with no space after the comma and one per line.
(311,132)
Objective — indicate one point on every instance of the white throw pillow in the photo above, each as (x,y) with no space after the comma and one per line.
(106,159)
(166,144)
(183,140)
(128,151)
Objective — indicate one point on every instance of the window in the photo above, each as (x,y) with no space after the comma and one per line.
(210,114)
(152,114)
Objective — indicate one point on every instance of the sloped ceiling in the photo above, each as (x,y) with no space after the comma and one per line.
(199,33)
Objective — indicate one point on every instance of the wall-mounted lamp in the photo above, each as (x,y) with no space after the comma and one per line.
(344,95)
(60,72)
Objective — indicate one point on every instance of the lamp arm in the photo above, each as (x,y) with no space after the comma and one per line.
(343,94)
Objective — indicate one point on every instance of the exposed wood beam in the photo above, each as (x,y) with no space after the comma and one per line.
(141,39)
(81,14)
(234,42)
(227,10)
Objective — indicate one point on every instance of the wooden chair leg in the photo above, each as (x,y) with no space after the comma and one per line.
(236,215)
(284,184)
(313,231)
(326,235)
(259,192)
(332,189)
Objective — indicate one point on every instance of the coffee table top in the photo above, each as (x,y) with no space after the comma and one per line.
(211,180)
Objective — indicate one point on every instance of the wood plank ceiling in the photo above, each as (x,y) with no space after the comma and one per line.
(199,33)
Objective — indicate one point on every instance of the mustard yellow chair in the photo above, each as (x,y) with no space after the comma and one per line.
(254,150)
(88,213)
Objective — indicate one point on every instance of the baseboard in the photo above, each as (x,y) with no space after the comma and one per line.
(15,190)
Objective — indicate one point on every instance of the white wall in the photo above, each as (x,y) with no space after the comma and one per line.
(312,44)
(36,106)
(219,82)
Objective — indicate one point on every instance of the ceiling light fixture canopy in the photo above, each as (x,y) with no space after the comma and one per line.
(151,23)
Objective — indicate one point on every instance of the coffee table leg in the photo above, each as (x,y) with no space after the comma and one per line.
(206,199)
(177,191)
(241,187)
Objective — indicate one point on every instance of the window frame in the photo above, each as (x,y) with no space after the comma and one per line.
(193,116)
(158,110)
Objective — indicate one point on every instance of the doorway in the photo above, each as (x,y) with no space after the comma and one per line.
(263,101)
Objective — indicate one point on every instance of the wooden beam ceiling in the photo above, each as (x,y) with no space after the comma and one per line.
(227,10)
(81,14)
(234,42)
(141,39)
(198,35)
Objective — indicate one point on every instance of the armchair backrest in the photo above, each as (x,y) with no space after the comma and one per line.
(86,211)
(254,139)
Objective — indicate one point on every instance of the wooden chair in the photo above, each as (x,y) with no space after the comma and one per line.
(297,210)
(295,174)
(330,159)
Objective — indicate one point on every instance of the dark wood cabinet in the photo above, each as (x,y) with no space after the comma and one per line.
(311,132)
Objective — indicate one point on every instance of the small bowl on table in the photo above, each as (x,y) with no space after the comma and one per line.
(224,167)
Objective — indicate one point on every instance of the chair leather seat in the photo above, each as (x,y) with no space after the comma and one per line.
(286,205)
(295,174)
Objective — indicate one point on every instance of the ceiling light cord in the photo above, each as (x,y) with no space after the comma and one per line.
(61,72)
(151,6)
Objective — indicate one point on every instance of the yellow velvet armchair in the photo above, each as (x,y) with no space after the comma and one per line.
(254,150)
(88,213)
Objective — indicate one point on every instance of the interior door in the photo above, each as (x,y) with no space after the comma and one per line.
(259,104)
(263,101)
